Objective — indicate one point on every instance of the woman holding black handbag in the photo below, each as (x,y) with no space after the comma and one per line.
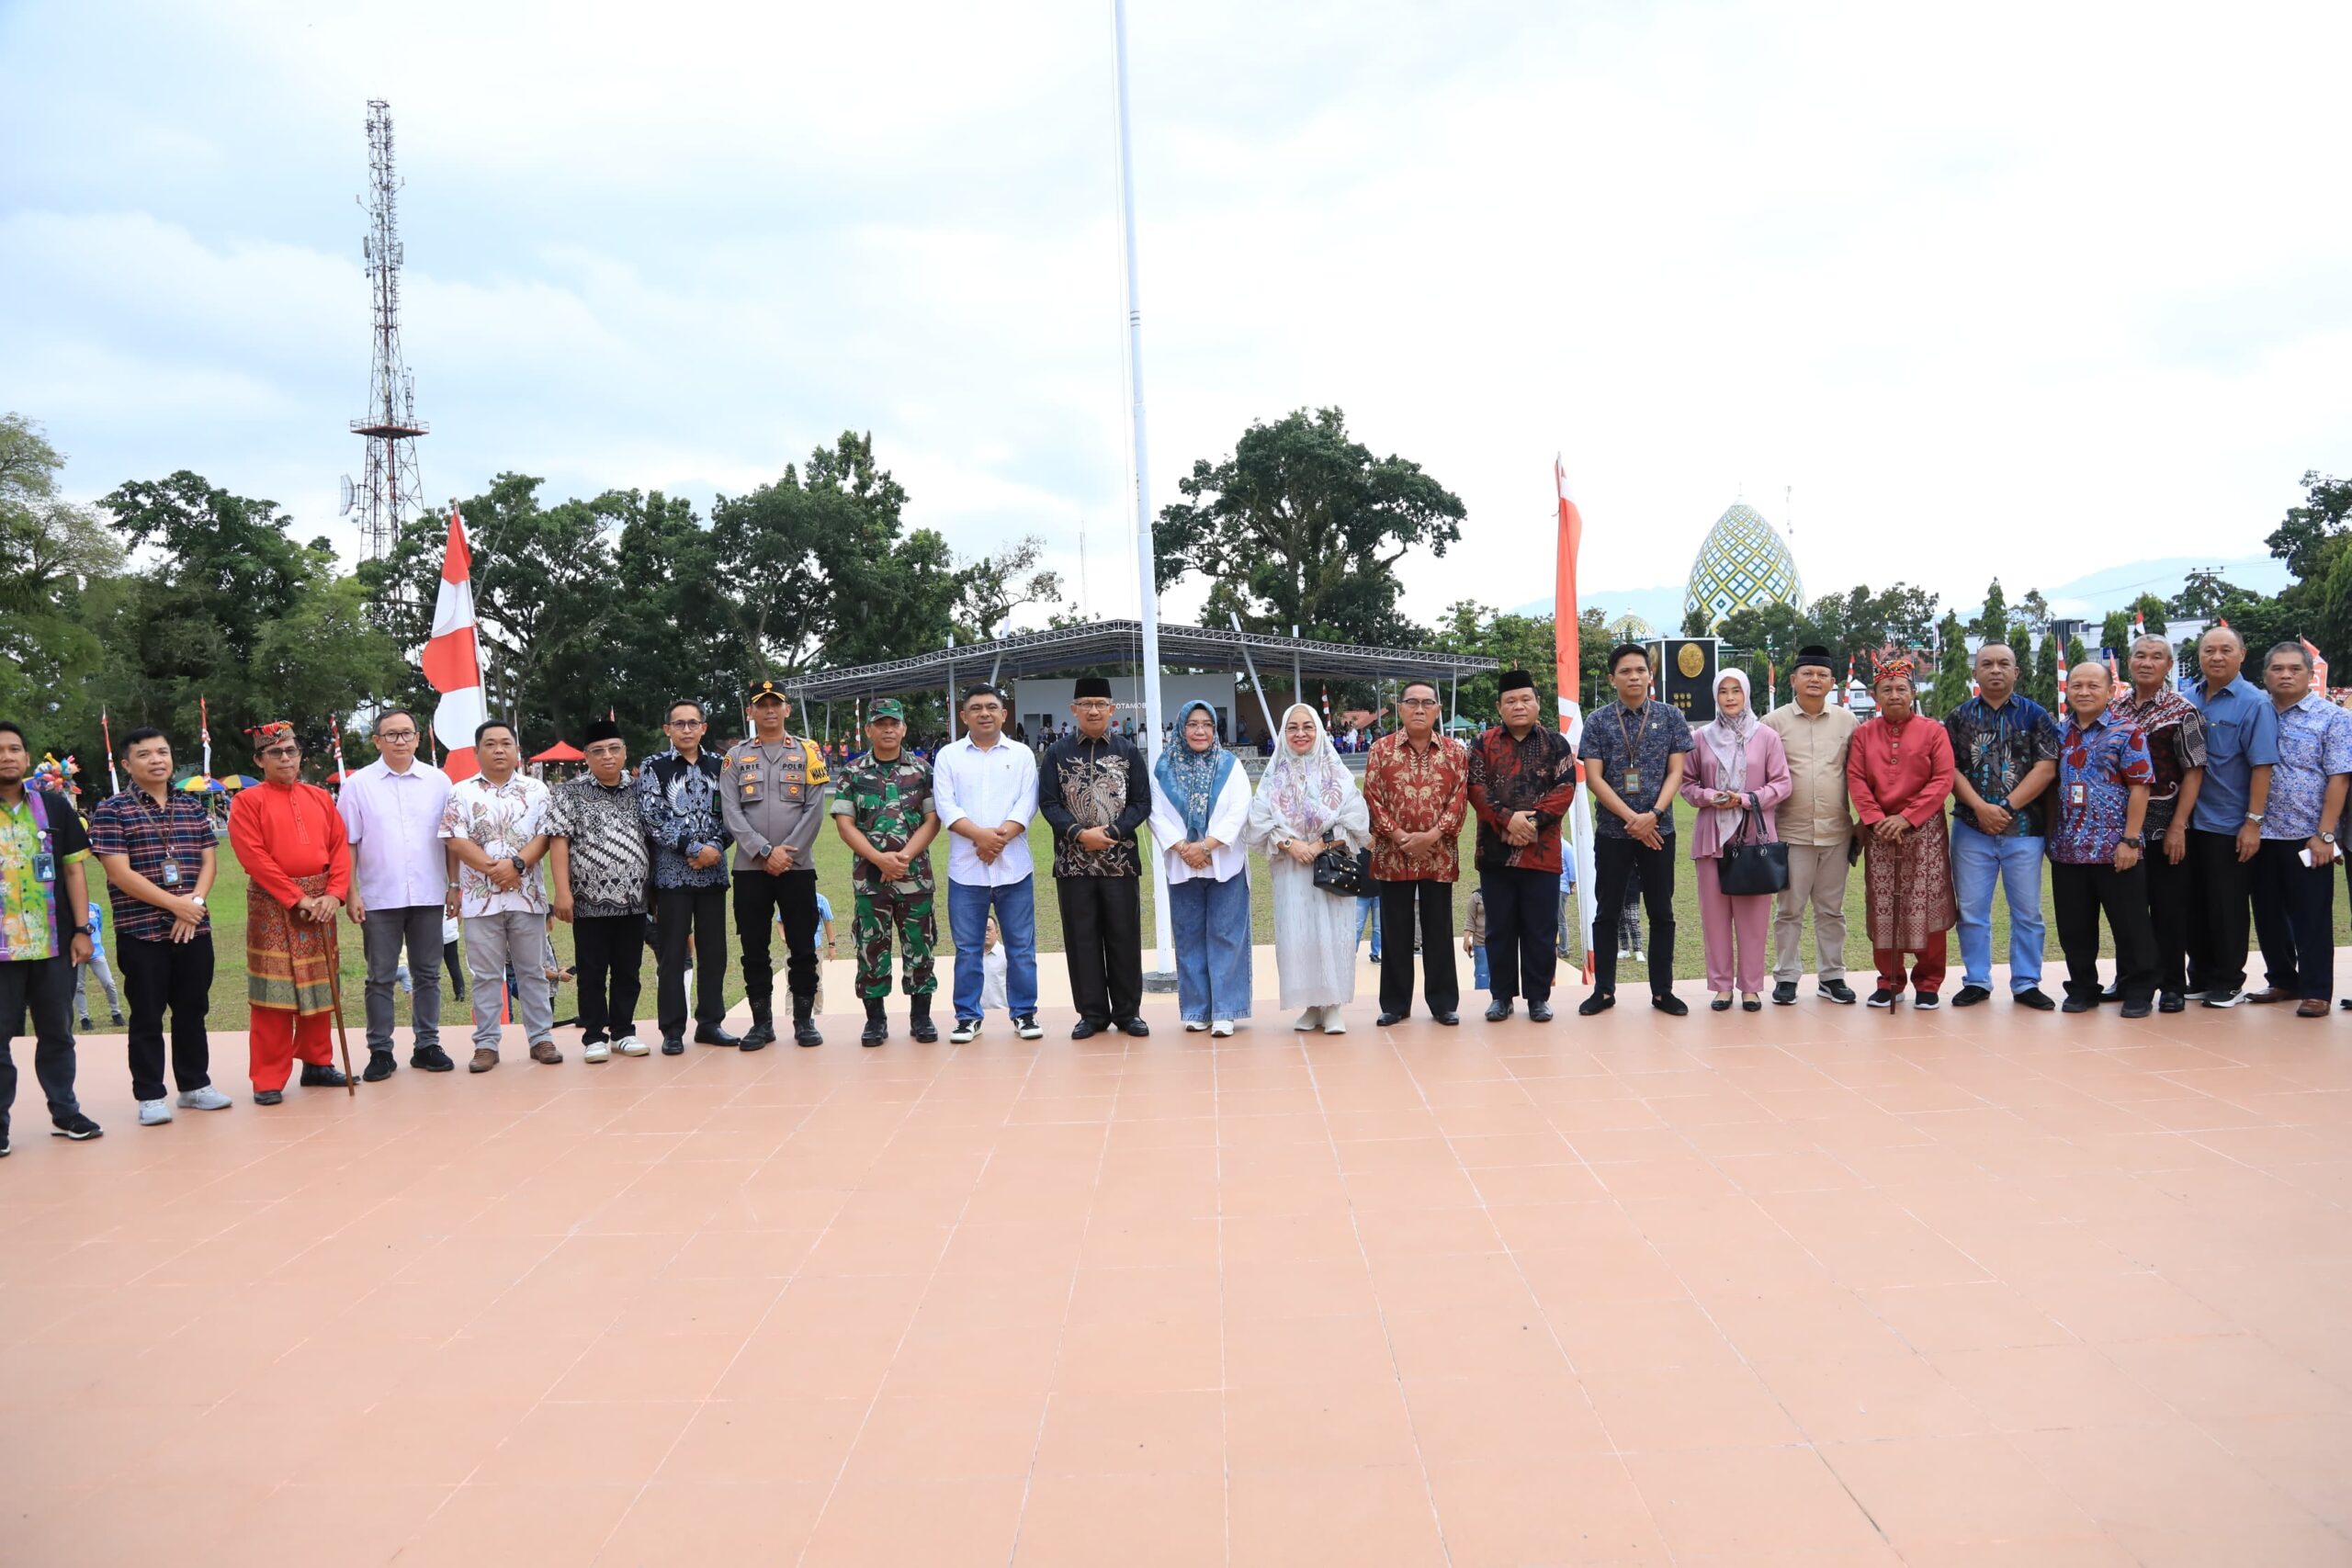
(1738,775)
(1307,808)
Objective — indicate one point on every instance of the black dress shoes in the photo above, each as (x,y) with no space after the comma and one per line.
(1599,1002)
(673,1045)
(715,1034)
(1389,1020)
(1498,1010)
(1083,1030)
(1539,1012)
(1669,1004)
(1448,1019)
(316,1077)
(1134,1027)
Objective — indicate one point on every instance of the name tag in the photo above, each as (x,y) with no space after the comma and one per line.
(2078,794)
(44,866)
(171,877)
(1633,780)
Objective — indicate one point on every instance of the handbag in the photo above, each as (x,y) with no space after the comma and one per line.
(1339,871)
(1751,864)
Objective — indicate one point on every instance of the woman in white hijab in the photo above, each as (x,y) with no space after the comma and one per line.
(1738,775)
(1306,796)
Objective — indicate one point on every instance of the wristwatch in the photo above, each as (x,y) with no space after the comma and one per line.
(2255,818)
(520,868)
(2327,837)
(198,898)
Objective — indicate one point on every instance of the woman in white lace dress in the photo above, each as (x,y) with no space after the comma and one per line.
(1305,796)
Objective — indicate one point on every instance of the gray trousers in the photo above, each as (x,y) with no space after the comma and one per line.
(493,941)
(418,925)
(96,966)
(1817,876)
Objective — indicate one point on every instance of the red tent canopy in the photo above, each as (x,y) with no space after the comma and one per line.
(559,752)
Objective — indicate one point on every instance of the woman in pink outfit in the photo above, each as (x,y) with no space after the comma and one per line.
(1738,773)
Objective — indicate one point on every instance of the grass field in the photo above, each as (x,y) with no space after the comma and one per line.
(228,903)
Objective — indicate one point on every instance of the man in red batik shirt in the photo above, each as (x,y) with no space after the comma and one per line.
(291,842)
(1415,784)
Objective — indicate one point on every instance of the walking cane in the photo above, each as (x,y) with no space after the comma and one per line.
(335,989)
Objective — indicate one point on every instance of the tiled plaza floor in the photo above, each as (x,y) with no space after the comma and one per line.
(1819,1286)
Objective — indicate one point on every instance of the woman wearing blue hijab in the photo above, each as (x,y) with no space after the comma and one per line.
(1200,803)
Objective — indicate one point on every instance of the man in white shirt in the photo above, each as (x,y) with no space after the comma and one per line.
(986,789)
(495,830)
(392,810)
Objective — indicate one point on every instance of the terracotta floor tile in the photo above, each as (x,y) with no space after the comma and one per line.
(1373,1516)
(2019,1291)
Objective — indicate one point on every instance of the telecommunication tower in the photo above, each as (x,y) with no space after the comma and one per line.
(390,424)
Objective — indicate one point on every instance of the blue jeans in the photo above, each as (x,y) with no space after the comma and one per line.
(1478,967)
(1015,904)
(1210,921)
(1976,858)
(1368,914)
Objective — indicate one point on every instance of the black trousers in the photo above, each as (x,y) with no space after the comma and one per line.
(1103,945)
(2079,894)
(2294,917)
(610,951)
(44,987)
(162,974)
(2172,911)
(759,899)
(2222,888)
(1433,903)
(1614,859)
(700,912)
(1523,932)
(452,964)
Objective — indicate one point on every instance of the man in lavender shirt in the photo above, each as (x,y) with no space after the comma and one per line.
(401,880)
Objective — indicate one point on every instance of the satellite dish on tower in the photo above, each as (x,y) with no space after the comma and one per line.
(348,494)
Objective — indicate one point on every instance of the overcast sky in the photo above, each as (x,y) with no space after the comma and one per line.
(2026,288)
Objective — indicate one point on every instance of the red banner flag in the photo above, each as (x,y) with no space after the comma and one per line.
(1568,676)
(452,660)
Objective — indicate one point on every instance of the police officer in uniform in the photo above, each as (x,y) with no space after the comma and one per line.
(772,789)
(882,805)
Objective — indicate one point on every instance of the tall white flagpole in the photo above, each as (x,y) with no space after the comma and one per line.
(1163,953)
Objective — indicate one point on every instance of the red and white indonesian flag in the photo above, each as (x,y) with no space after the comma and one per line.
(2319,666)
(452,660)
(1567,656)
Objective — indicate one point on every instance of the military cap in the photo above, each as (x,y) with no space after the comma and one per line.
(886,708)
(764,691)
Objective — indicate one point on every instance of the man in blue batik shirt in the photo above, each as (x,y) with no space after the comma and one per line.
(2294,871)
(2005,754)
(2226,831)
(677,798)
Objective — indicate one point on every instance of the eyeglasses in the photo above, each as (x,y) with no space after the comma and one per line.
(1421,702)
(282,752)
(686,723)
(396,735)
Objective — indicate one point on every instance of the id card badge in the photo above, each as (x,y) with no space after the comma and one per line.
(44,866)
(2077,794)
(171,877)
(1632,781)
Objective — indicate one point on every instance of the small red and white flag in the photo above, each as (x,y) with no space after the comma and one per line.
(342,775)
(1846,691)
(452,660)
(2319,666)
(114,784)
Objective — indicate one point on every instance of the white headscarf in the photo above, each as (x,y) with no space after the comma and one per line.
(1308,791)
(1728,737)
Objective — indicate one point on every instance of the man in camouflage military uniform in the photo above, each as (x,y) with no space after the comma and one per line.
(882,806)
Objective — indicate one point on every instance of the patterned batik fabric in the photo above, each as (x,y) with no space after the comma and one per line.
(175,833)
(2097,765)
(678,803)
(1908,886)
(1633,751)
(29,925)
(290,962)
(502,819)
(605,843)
(886,802)
(1100,784)
(881,911)
(1993,749)
(1411,789)
(2175,734)
(2314,742)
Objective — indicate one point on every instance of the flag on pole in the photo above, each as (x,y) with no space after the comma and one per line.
(1846,691)
(1772,685)
(113,783)
(1568,675)
(204,733)
(341,773)
(2319,666)
(2058,640)
(452,660)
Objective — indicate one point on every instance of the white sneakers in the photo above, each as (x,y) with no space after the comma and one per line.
(1308,1020)
(593,1051)
(205,1098)
(1026,1026)
(154,1112)
(630,1045)
(967,1030)
(1194,1026)
(1221,1030)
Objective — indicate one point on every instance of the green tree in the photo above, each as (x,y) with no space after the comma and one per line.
(2152,609)
(993,587)
(2303,537)
(2203,593)
(2046,677)
(1859,622)
(1303,526)
(54,556)
(1951,686)
(2035,609)
(2115,632)
(1992,624)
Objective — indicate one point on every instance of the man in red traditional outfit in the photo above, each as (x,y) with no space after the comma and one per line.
(291,842)
(1899,772)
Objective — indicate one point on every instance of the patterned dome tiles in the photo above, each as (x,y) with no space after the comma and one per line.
(1742,563)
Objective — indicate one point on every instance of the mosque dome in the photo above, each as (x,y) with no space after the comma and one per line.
(1632,628)
(1743,563)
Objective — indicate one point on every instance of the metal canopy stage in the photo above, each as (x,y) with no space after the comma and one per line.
(1121,642)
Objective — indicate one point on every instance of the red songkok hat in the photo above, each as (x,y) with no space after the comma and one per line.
(265,735)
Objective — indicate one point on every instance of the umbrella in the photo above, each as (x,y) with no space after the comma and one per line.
(239,781)
(559,752)
(196,784)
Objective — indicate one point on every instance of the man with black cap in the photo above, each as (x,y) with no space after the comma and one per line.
(1095,789)
(882,807)
(1523,777)
(773,792)
(1816,823)
(602,858)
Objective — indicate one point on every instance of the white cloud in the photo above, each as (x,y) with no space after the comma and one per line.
(2033,288)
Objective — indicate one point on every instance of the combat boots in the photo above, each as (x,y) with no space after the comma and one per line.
(803,1024)
(877,1025)
(763,1030)
(919,1022)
